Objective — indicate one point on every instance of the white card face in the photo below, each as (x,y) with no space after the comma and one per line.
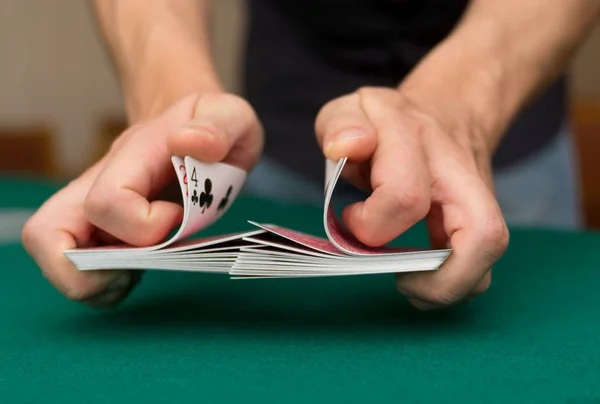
(211,190)
(208,190)
(180,169)
(330,171)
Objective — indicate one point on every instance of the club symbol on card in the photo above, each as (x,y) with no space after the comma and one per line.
(195,197)
(206,198)
(225,199)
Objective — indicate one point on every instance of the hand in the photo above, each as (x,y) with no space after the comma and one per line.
(113,199)
(420,161)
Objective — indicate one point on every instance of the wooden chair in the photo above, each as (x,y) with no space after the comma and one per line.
(27,149)
(586,121)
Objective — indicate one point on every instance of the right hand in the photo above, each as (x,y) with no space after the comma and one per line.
(112,202)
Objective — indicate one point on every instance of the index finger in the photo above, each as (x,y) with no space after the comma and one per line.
(60,225)
(478,237)
(399,175)
(119,200)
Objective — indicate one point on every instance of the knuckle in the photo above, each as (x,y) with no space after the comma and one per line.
(324,111)
(434,293)
(443,296)
(77,293)
(121,139)
(232,101)
(450,293)
(495,235)
(146,236)
(326,114)
(59,272)
(483,286)
(367,235)
(29,234)
(419,304)
(367,90)
(98,204)
(379,97)
(77,288)
(412,200)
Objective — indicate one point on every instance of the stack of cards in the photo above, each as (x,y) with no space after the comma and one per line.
(266,251)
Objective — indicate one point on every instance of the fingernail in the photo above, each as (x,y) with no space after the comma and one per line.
(343,137)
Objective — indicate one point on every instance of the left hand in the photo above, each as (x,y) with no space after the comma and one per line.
(421,160)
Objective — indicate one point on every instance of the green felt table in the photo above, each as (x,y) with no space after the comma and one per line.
(534,337)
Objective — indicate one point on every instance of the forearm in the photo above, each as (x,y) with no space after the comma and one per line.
(161,50)
(502,54)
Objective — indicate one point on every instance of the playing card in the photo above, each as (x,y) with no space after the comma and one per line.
(208,190)
(220,182)
(267,251)
(99,257)
(307,240)
(181,171)
(341,238)
(283,244)
(211,189)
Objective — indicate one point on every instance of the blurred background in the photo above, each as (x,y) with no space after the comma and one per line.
(60,104)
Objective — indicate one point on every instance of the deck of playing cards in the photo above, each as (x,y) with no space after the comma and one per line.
(266,251)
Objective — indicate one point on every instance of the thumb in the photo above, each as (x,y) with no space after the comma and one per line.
(343,130)
(223,128)
(208,127)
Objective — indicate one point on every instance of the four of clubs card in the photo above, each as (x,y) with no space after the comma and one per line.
(204,198)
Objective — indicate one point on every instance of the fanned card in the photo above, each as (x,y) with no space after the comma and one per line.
(265,250)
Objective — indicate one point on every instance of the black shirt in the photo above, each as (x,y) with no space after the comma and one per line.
(302,54)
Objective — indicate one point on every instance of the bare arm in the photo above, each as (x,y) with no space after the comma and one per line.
(161,50)
(501,55)
(425,149)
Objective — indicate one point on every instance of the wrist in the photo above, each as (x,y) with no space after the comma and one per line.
(164,78)
(161,63)
(161,85)
(501,56)
(469,85)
